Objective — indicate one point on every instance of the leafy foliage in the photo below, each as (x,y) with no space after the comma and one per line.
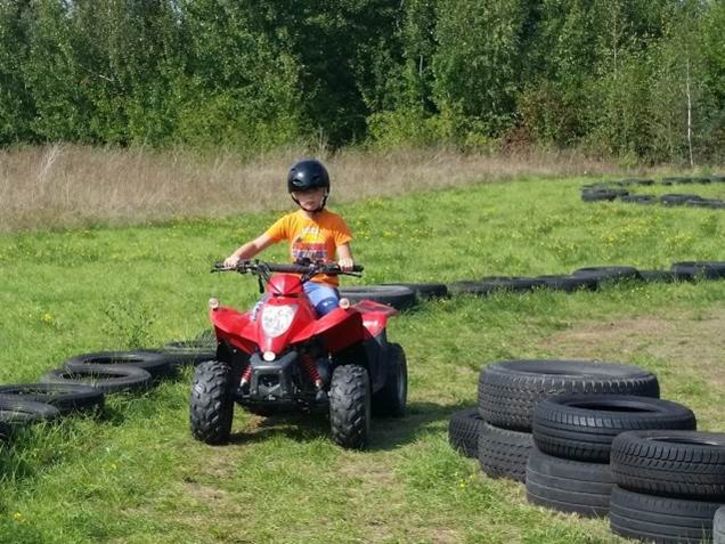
(641,79)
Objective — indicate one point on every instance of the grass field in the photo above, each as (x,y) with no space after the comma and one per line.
(135,475)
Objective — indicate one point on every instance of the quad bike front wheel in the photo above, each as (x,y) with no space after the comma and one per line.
(391,400)
(350,406)
(211,406)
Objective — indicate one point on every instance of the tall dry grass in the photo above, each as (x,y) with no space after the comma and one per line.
(60,185)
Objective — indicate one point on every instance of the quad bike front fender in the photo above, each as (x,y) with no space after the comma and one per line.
(235,328)
(338,329)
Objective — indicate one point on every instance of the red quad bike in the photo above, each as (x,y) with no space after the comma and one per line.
(281,356)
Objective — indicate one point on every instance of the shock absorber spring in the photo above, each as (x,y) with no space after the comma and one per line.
(246,375)
(308,363)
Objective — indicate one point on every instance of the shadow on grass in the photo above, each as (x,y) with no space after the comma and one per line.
(421,419)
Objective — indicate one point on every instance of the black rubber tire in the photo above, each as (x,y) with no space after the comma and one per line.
(638,181)
(569,284)
(568,486)
(660,519)
(190,355)
(608,273)
(15,411)
(463,430)
(350,404)
(582,427)
(684,464)
(396,296)
(718,526)
(5,432)
(692,270)
(154,362)
(596,195)
(425,291)
(106,378)
(503,453)
(509,390)
(495,284)
(639,199)
(677,199)
(211,403)
(185,352)
(392,399)
(660,276)
(66,397)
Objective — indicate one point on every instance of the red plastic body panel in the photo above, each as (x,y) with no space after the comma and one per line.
(338,329)
(374,315)
(234,327)
(285,284)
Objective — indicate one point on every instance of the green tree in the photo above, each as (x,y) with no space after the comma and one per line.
(17,105)
(478,61)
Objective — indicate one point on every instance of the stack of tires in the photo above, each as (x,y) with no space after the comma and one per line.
(508,392)
(569,469)
(670,486)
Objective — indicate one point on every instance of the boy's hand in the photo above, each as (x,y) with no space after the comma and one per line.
(345,264)
(231,261)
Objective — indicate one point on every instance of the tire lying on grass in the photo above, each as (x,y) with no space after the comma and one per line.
(660,519)
(509,390)
(424,291)
(608,273)
(503,453)
(106,378)
(154,362)
(692,270)
(464,428)
(683,464)
(66,397)
(661,276)
(569,284)
(18,411)
(495,284)
(396,296)
(566,485)
(191,352)
(582,427)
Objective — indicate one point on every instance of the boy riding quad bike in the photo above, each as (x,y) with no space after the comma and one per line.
(281,356)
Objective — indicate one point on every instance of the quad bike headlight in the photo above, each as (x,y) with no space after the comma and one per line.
(277,319)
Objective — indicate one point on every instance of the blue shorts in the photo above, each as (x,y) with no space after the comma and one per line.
(324,298)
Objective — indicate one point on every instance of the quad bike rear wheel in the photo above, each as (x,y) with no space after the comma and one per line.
(391,400)
(211,406)
(350,402)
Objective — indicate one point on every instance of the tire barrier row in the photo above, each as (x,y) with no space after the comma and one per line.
(621,190)
(595,439)
(406,296)
(83,381)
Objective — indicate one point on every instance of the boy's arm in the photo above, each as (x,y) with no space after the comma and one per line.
(249,250)
(344,257)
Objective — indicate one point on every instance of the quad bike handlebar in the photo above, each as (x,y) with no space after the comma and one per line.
(307,270)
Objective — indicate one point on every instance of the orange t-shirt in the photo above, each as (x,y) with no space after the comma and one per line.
(315,239)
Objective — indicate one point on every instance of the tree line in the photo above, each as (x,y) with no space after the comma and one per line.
(640,79)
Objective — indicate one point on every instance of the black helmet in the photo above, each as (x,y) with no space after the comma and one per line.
(307,174)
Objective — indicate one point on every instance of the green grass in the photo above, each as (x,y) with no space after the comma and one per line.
(135,475)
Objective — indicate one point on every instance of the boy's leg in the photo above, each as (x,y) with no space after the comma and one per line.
(324,298)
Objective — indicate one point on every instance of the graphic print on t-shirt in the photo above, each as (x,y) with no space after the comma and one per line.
(309,244)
